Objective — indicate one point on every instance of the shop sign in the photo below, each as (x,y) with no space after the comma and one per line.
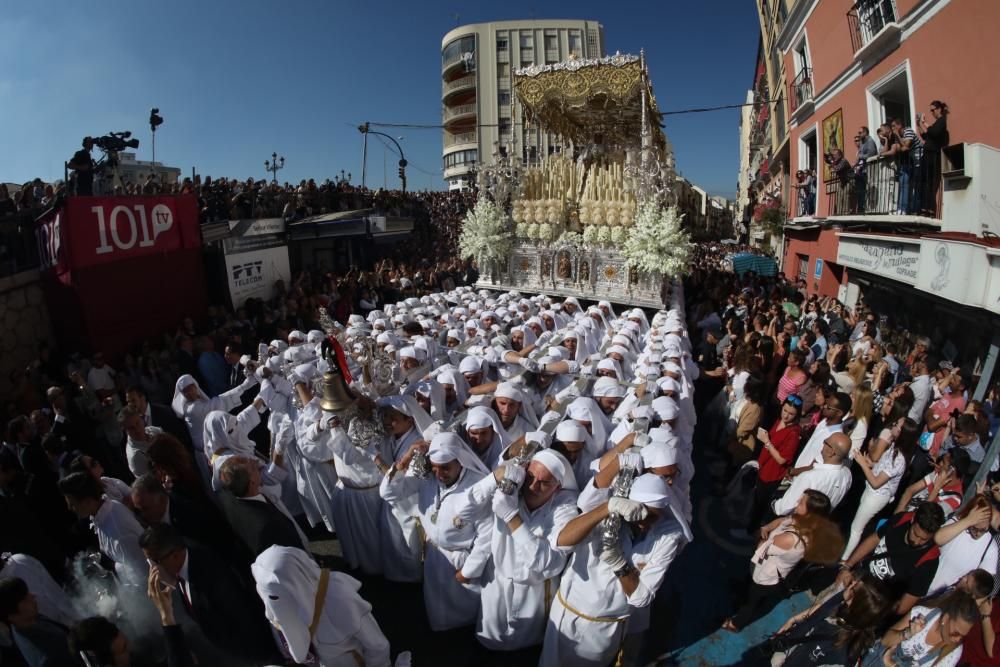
(891,259)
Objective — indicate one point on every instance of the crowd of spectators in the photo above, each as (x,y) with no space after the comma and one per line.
(820,415)
(437,215)
(905,178)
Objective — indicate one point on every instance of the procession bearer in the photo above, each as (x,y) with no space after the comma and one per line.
(456,530)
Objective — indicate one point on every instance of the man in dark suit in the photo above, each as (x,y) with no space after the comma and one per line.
(227,611)
(160,416)
(40,640)
(195,521)
(255,518)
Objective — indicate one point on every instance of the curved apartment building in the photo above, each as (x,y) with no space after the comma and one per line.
(477,62)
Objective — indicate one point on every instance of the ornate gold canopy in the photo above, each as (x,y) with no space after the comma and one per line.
(596,101)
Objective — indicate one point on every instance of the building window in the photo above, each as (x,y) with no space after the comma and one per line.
(890,98)
(461,49)
(575,44)
(501,44)
(460,157)
(503,126)
(592,51)
(527,41)
(803,267)
(551,43)
(503,99)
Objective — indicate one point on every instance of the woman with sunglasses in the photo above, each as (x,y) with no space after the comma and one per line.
(929,634)
(779,446)
(967,542)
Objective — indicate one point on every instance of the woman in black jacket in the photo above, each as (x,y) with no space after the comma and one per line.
(935,137)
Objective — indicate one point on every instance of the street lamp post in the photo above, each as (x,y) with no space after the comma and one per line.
(274,165)
(366,130)
(345,177)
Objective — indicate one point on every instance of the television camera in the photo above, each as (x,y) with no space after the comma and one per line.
(106,169)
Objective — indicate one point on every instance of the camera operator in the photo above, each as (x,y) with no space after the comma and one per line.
(83,168)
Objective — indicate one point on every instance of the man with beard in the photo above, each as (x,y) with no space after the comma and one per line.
(457,534)
(526,560)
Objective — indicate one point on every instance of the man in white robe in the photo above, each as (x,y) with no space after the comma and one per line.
(457,532)
(604,585)
(526,560)
(191,405)
(404,422)
(516,416)
(318,615)
(356,504)
(486,436)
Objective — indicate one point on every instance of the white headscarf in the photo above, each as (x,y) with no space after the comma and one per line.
(179,402)
(560,468)
(408,406)
(605,386)
(511,391)
(571,431)
(433,390)
(461,385)
(586,409)
(220,433)
(481,417)
(653,491)
(448,447)
(527,332)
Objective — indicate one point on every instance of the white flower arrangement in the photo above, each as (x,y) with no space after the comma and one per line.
(590,234)
(604,234)
(657,243)
(572,239)
(619,235)
(534,230)
(546,232)
(486,233)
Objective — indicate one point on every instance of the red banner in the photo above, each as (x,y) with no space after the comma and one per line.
(90,231)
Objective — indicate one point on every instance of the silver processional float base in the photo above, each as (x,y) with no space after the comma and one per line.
(593,274)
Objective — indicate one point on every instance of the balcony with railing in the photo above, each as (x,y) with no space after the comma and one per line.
(459,139)
(890,185)
(458,85)
(873,24)
(800,93)
(462,110)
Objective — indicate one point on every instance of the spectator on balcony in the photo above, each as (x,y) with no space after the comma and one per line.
(806,185)
(844,173)
(867,148)
(935,137)
(908,151)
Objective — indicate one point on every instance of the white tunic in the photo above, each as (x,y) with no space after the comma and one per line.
(356,506)
(526,568)
(118,534)
(457,537)
(401,548)
(590,587)
(317,477)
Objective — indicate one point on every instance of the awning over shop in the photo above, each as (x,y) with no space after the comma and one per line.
(361,222)
(762,266)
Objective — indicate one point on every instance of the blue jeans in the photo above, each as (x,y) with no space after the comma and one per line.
(904,190)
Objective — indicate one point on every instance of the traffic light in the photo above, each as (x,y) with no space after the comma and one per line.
(402,173)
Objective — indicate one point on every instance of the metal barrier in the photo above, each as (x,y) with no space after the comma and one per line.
(887,185)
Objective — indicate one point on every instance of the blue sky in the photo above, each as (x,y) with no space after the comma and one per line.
(238,79)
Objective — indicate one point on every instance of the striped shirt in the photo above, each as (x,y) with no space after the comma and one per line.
(916,146)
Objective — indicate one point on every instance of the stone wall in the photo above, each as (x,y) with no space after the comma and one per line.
(24,322)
